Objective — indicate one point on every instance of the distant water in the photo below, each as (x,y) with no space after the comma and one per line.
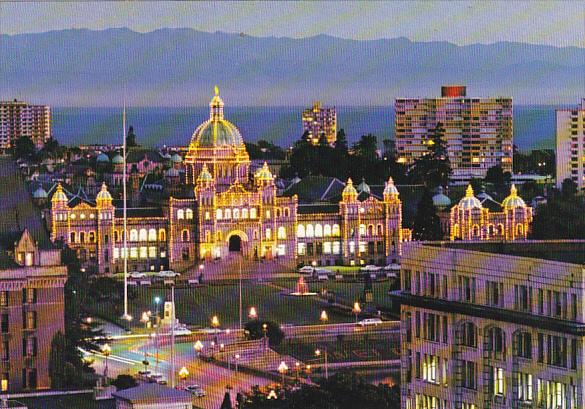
(534,126)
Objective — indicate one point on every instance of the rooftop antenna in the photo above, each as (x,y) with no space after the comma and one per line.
(126,316)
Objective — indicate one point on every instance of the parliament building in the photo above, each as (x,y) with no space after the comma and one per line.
(228,210)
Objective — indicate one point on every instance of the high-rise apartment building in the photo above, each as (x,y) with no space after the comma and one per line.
(318,120)
(478,131)
(492,325)
(17,118)
(31,287)
(571,145)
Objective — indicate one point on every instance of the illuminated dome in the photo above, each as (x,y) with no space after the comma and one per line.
(40,193)
(59,195)
(102,158)
(513,200)
(264,173)
(349,189)
(205,176)
(118,159)
(103,194)
(469,201)
(216,131)
(441,200)
(390,188)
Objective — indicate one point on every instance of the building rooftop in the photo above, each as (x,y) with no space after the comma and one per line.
(566,251)
(153,393)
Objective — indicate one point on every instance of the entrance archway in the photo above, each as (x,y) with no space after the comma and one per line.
(235,243)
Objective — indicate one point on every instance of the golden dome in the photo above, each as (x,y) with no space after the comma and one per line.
(264,173)
(513,200)
(469,201)
(59,195)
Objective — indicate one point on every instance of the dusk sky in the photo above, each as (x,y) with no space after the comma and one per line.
(540,22)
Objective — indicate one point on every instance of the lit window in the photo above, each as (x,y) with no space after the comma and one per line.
(362,229)
(133,252)
(281,233)
(327,247)
(142,235)
(281,249)
(218,214)
(162,235)
(318,230)
(244,213)
(82,216)
(327,230)
(301,248)
(309,231)
(336,247)
(499,381)
(180,214)
(143,252)
(228,214)
(352,247)
(133,235)
(72,216)
(189,214)
(268,234)
(207,216)
(335,230)
(236,213)
(152,235)
(253,213)
(268,214)
(116,253)
(300,230)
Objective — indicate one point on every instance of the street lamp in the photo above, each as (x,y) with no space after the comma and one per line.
(356,310)
(198,347)
(298,369)
(324,317)
(318,353)
(282,368)
(237,357)
(215,322)
(253,314)
(314,264)
(106,350)
(265,332)
(145,319)
(183,374)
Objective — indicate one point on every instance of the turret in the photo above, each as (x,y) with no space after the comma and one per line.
(103,199)
(390,191)
(59,199)
(349,192)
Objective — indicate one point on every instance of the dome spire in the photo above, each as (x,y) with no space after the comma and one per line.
(469,191)
(216,91)
(216,106)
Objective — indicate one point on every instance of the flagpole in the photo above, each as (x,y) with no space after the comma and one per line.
(125,236)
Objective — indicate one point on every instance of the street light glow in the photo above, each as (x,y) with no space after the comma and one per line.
(324,317)
(253,314)
(215,321)
(198,346)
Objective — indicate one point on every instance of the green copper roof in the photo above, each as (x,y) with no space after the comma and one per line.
(217,132)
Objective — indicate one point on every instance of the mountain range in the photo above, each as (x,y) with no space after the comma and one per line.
(179,67)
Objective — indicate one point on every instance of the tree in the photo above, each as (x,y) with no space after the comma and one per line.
(433,168)
(568,188)
(227,401)
(273,332)
(495,176)
(562,217)
(131,138)
(124,381)
(427,225)
(63,373)
(23,147)
(341,142)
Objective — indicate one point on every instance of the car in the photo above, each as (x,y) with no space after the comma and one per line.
(370,267)
(157,378)
(306,269)
(392,267)
(136,274)
(370,321)
(196,390)
(167,273)
(143,375)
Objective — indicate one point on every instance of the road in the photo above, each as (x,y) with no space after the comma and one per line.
(128,354)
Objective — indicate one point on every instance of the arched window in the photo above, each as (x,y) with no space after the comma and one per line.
(362,229)
(228,214)
(309,232)
(143,235)
(255,235)
(300,230)
(519,230)
(522,344)
(185,235)
(185,253)
(475,230)
(92,236)
(455,230)
(82,237)
(207,236)
(218,236)
(495,342)
(188,214)
(133,235)
(500,229)
(380,230)
(180,214)
(116,236)
(370,230)
(72,237)
(281,234)
(244,213)
(468,334)
(277,212)
(162,235)
(327,230)
(335,230)
(218,214)
(286,212)
(151,234)
(253,213)
(236,213)
(491,230)
(318,230)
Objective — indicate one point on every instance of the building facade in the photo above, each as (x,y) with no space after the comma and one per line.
(18,119)
(487,325)
(31,288)
(570,141)
(228,211)
(470,220)
(478,131)
(320,120)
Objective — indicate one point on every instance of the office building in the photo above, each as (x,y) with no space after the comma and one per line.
(320,120)
(17,118)
(478,131)
(570,140)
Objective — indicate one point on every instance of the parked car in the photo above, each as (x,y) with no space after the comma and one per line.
(168,273)
(157,378)
(136,274)
(196,390)
(306,270)
(370,321)
(144,375)
(371,268)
